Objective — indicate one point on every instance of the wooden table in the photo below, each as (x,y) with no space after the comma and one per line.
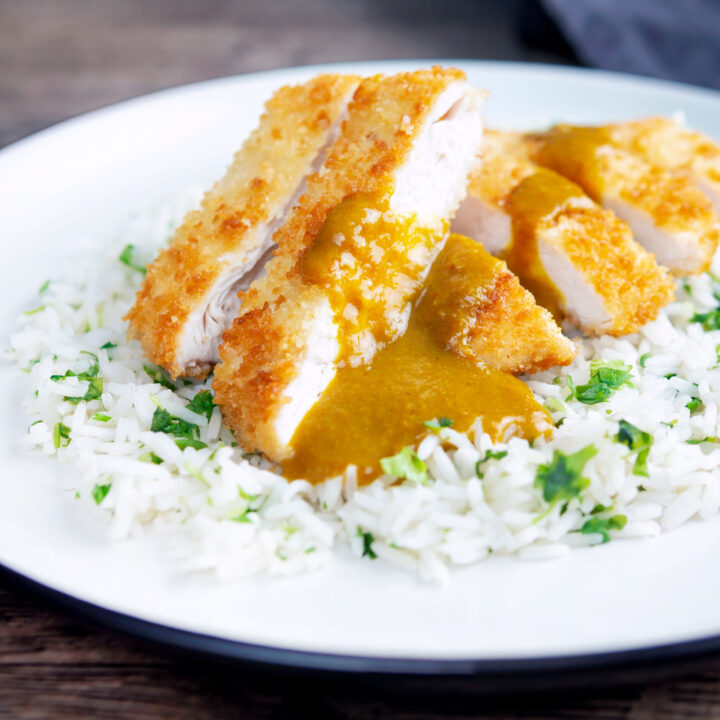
(59,58)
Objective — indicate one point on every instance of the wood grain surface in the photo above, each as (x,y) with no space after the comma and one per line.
(59,58)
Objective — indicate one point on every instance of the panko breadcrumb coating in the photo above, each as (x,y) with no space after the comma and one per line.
(190,292)
(576,258)
(669,216)
(410,138)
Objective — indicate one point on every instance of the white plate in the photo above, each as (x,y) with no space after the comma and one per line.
(85,177)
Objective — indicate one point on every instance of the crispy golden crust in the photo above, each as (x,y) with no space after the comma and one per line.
(479,310)
(504,163)
(663,142)
(513,333)
(263,176)
(384,119)
(547,208)
(632,286)
(261,354)
(608,173)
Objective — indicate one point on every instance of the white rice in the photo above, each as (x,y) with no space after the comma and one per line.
(236,517)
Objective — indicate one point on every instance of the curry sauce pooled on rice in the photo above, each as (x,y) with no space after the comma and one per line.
(367,283)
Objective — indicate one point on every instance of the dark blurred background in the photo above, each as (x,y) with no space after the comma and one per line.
(59,58)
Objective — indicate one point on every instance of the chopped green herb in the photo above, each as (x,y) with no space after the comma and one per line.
(61,435)
(605,379)
(367,540)
(101,417)
(670,424)
(643,359)
(108,345)
(247,496)
(202,403)
(94,391)
(186,433)
(406,464)
(99,492)
(698,441)
(572,388)
(443,422)
(599,509)
(244,516)
(638,441)
(561,478)
(309,550)
(215,452)
(151,457)
(159,376)
(552,405)
(709,320)
(694,404)
(33,423)
(686,287)
(489,455)
(183,443)
(35,310)
(670,375)
(126,258)
(602,526)
(90,374)
(44,287)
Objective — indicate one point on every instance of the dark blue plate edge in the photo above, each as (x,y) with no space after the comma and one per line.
(540,673)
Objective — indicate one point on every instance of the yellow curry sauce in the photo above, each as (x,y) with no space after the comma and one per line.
(534,200)
(372,263)
(571,152)
(375,409)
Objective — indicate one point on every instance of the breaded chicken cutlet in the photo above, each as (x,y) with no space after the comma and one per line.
(578,259)
(480,311)
(670,217)
(400,164)
(668,144)
(190,293)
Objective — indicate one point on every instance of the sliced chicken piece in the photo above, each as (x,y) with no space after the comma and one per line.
(669,216)
(504,161)
(478,309)
(578,260)
(581,260)
(666,143)
(190,293)
(342,282)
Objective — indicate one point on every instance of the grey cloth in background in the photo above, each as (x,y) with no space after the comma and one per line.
(674,39)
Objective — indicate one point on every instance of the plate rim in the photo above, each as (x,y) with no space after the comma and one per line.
(554,670)
(563,669)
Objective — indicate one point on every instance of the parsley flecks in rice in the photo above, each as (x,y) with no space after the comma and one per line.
(602,526)
(561,478)
(406,464)
(126,258)
(638,441)
(647,403)
(367,541)
(605,379)
(438,424)
(202,404)
(489,455)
